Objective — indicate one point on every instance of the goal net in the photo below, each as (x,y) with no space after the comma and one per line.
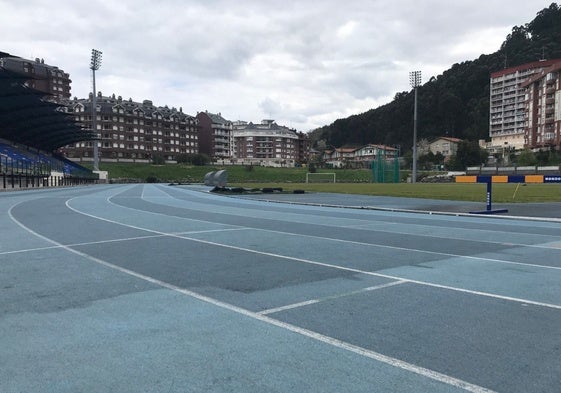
(324,177)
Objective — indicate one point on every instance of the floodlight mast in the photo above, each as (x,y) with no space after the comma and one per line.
(94,66)
(415,80)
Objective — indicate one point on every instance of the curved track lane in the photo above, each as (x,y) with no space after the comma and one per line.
(207,293)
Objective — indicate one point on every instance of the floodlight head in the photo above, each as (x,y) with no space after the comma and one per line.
(96,59)
(415,78)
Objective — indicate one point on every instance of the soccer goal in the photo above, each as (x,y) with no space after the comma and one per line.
(323,177)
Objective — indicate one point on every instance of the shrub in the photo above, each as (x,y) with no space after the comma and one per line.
(158,159)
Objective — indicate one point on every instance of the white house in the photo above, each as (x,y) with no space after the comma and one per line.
(358,156)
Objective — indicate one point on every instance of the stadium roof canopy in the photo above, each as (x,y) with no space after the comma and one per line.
(28,119)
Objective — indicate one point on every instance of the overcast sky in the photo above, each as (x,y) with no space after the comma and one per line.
(304,63)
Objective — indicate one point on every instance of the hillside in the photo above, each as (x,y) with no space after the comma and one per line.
(455,103)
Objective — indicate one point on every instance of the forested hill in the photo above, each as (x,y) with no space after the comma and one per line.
(455,103)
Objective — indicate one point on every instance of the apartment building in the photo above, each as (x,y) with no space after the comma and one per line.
(43,77)
(543,108)
(132,131)
(358,156)
(268,143)
(508,116)
(215,135)
(32,105)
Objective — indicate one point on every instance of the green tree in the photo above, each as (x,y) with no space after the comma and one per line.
(158,159)
(200,159)
(456,102)
(439,158)
(526,158)
(430,160)
(193,159)
(542,157)
(468,154)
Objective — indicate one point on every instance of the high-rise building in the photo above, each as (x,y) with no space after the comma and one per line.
(508,117)
(543,106)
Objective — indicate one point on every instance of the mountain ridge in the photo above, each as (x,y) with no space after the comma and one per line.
(455,103)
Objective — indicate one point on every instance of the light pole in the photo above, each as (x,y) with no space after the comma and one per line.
(94,66)
(415,80)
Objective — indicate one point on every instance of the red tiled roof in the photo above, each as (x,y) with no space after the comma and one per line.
(527,66)
(544,72)
(449,139)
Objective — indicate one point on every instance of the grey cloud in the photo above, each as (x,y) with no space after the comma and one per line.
(318,59)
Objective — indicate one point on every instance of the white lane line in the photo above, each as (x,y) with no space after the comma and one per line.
(124,239)
(424,372)
(29,250)
(82,244)
(329,265)
(379,245)
(448,236)
(327,298)
(108,199)
(443,254)
(443,214)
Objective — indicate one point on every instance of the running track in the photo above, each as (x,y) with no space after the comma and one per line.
(152,288)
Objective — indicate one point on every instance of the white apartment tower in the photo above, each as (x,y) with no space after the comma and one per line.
(268,144)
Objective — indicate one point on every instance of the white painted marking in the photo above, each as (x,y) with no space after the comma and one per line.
(448,235)
(379,245)
(108,200)
(329,265)
(445,254)
(289,307)
(422,233)
(410,211)
(323,299)
(29,250)
(81,244)
(119,240)
(434,375)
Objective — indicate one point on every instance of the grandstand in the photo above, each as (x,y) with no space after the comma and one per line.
(32,128)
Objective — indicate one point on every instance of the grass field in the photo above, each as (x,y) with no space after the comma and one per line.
(357,181)
(502,193)
(254,174)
